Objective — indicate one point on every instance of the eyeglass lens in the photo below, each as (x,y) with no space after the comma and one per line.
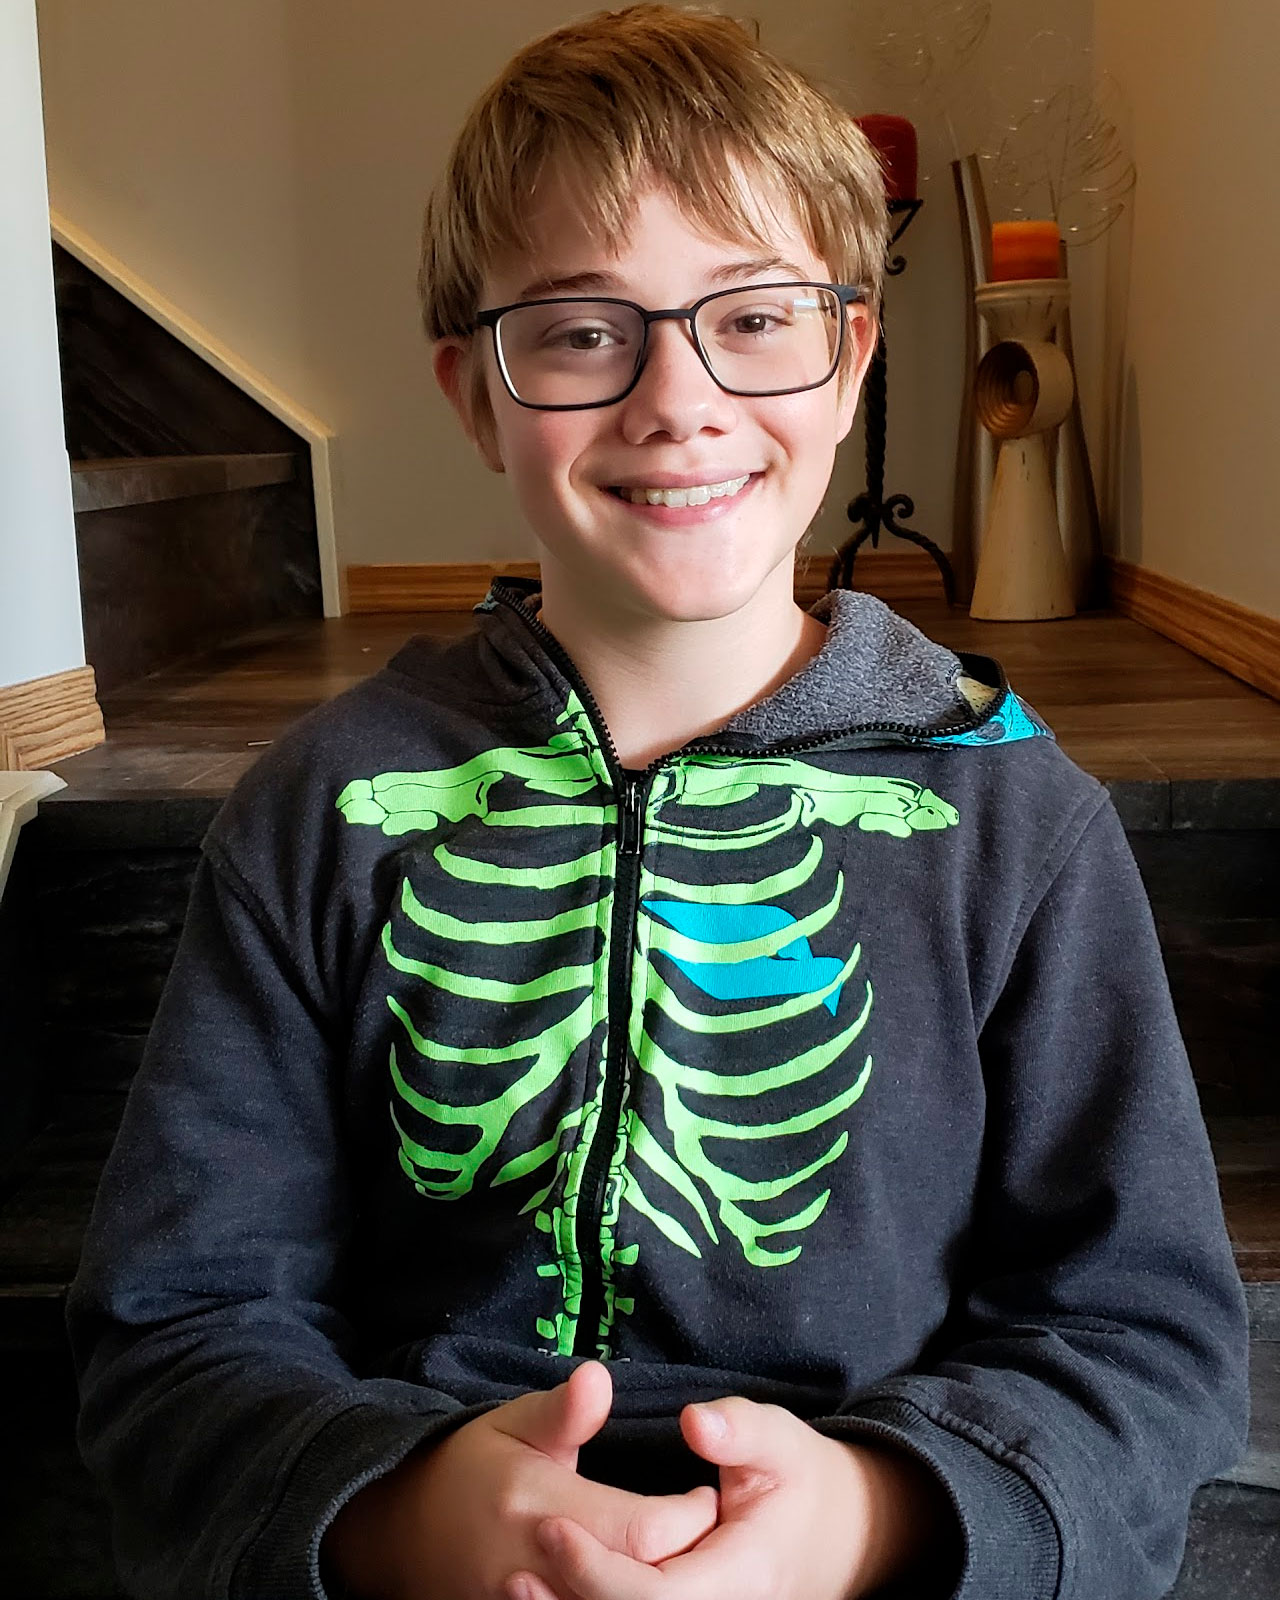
(755,341)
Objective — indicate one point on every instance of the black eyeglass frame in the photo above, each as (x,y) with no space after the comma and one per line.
(848,295)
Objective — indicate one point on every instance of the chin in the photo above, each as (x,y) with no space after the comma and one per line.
(700,595)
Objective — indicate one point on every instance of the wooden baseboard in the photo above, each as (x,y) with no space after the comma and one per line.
(457,586)
(891,575)
(1242,642)
(46,719)
(434,586)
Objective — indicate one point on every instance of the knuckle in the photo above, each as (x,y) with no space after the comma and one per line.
(639,1537)
(513,1502)
(740,1410)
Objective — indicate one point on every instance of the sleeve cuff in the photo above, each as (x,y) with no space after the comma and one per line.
(1012,1547)
(345,1453)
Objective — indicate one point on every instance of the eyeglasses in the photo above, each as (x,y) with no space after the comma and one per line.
(766,339)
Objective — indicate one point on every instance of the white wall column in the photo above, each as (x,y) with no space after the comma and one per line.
(40,630)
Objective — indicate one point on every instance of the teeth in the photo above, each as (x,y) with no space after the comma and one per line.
(696,496)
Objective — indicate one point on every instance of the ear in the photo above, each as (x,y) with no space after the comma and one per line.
(864,335)
(449,362)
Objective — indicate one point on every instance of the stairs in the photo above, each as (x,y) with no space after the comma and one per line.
(194,509)
(180,553)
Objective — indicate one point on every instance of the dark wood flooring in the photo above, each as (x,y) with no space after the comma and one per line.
(1127,704)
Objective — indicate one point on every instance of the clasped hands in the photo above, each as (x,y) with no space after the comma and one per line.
(498,1511)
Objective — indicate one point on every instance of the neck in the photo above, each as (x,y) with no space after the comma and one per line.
(660,683)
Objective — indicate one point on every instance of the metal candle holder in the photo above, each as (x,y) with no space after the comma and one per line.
(871,512)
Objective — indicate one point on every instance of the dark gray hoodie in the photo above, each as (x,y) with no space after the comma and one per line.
(829,1061)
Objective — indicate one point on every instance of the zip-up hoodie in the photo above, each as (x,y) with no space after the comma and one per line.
(829,1061)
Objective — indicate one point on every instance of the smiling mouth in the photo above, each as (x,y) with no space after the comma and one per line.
(696,495)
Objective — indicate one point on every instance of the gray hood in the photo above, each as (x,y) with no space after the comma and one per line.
(874,666)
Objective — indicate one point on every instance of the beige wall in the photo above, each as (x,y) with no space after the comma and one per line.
(263,163)
(1194,490)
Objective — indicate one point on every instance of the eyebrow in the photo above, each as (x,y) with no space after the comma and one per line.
(753,269)
(608,283)
(570,283)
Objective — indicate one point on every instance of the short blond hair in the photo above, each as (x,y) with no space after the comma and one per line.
(621,100)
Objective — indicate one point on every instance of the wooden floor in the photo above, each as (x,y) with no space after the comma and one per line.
(1125,702)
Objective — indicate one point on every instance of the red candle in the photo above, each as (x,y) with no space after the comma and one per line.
(1024,250)
(894,141)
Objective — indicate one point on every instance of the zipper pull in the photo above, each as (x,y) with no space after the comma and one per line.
(629,819)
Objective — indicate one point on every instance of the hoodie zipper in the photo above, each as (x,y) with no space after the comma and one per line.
(631,800)
(595,1177)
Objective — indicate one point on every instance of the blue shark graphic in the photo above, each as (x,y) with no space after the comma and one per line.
(1013,719)
(794,970)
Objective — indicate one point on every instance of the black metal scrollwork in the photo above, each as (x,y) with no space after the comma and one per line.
(870,511)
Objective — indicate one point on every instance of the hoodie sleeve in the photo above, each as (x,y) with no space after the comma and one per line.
(219,1406)
(1092,1371)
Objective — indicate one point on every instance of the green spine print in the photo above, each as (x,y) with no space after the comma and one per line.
(672,1167)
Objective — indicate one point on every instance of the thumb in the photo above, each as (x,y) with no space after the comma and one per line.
(736,1432)
(559,1421)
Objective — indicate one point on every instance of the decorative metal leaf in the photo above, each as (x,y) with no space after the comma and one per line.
(1064,157)
(922,50)
(922,44)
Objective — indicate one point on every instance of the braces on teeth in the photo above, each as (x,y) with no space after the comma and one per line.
(696,496)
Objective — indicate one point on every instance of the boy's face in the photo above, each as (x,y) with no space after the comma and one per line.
(675,429)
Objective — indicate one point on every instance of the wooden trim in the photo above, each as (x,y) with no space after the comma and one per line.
(457,586)
(317,434)
(1242,642)
(45,719)
(893,576)
(437,586)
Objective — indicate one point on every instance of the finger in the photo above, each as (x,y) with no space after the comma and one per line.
(529,1586)
(668,1525)
(559,1421)
(650,1528)
(593,1571)
(728,1562)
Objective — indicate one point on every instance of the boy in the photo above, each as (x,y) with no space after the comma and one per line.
(756,1004)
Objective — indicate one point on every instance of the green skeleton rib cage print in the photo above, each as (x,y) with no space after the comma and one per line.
(720,954)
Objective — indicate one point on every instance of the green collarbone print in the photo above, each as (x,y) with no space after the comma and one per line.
(742,1066)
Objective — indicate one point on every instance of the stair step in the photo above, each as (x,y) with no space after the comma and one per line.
(1247,1153)
(110,483)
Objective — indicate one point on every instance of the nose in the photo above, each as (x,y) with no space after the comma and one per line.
(675,395)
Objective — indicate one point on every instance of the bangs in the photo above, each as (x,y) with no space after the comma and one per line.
(715,189)
(627,101)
